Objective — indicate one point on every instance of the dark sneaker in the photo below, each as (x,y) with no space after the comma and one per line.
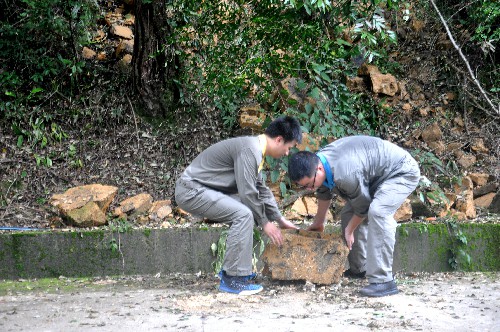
(249,277)
(354,275)
(378,290)
(238,285)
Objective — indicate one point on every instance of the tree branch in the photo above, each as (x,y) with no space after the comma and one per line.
(471,73)
(135,122)
(292,198)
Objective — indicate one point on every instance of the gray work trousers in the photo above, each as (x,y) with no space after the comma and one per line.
(203,201)
(374,239)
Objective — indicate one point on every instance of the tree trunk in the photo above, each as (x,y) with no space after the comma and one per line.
(153,60)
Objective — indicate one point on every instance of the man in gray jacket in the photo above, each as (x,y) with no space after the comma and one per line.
(374,176)
(224,184)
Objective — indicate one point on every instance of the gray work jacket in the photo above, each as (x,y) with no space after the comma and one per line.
(359,165)
(231,166)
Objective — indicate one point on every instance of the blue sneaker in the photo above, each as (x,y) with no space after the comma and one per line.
(249,277)
(378,290)
(238,285)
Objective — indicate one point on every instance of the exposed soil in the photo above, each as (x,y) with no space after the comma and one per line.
(116,147)
(427,302)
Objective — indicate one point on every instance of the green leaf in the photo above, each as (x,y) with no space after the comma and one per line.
(318,68)
(308,108)
(283,189)
(325,77)
(342,42)
(301,84)
(275,176)
(462,238)
(314,119)
(315,93)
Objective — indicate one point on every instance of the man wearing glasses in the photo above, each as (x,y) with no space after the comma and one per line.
(375,177)
(224,184)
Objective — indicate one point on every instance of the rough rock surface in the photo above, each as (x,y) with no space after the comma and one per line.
(316,257)
(85,206)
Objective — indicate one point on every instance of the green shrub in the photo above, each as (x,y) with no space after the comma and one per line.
(238,50)
(39,46)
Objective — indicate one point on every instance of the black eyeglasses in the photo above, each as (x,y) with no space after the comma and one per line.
(310,185)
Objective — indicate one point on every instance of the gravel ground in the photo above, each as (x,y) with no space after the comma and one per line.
(427,302)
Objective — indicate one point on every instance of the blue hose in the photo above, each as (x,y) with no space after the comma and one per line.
(21,229)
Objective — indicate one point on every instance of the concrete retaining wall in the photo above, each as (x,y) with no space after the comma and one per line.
(419,247)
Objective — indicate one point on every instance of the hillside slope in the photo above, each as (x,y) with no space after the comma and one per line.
(130,153)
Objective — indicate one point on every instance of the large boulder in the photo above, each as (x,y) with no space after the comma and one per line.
(160,210)
(384,83)
(495,204)
(312,256)
(134,206)
(85,206)
(381,83)
(253,117)
(404,212)
(465,197)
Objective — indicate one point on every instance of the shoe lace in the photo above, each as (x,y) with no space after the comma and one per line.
(238,282)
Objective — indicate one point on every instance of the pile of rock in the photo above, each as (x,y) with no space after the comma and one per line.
(87,206)
(115,39)
(473,191)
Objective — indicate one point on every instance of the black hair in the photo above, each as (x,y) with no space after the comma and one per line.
(302,164)
(287,127)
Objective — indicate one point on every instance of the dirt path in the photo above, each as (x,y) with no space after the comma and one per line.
(427,302)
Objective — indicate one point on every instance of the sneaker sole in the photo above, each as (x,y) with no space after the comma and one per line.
(391,292)
(243,292)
